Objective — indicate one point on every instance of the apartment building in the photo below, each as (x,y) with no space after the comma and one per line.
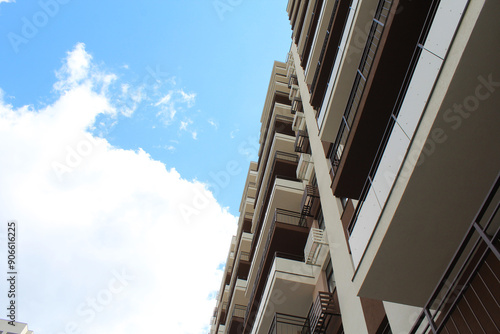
(18,328)
(373,205)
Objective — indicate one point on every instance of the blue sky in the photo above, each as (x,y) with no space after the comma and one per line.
(126,132)
(219,52)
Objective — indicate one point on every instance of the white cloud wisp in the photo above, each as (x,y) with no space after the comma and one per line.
(110,240)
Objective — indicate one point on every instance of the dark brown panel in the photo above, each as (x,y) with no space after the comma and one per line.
(374,313)
(393,59)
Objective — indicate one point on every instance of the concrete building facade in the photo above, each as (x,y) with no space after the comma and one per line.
(373,205)
(19,328)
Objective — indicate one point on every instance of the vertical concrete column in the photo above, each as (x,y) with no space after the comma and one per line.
(350,305)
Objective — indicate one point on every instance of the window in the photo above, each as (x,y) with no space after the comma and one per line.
(329,276)
(321,219)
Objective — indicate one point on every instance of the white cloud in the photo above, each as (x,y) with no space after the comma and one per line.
(89,213)
(233,133)
(194,134)
(212,123)
(188,98)
(75,69)
(164,99)
(184,124)
(171,103)
(7,1)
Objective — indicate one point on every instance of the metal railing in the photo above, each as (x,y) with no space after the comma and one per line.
(264,156)
(311,30)
(279,155)
(322,311)
(296,106)
(280,216)
(293,81)
(309,197)
(271,125)
(262,198)
(287,324)
(482,240)
(371,47)
(323,48)
(301,144)
(315,242)
(395,112)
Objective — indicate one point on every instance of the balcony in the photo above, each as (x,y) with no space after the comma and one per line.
(298,29)
(289,289)
(337,154)
(310,202)
(311,32)
(316,248)
(302,142)
(281,133)
(416,214)
(283,166)
(288,234)
(467,298)
(329,50)
(287,324)
(282,192)
(324,315)
(304,167)
(299,122)
(381,81)
(290,65)
(237,316)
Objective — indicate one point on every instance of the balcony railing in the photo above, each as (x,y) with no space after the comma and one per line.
(293,82)
(392,120)
(358,88)
(244,256)
(322,312)
(239,311)
(271,125)
(288,324)
(301,144)
(296,106)
(281,128)
(311,30)
(303,168)
(315,242)
(323,48)
(263,198)
(290,65)
(248,215)
(310,197)
(280,216)
(466,300)
(278,156)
